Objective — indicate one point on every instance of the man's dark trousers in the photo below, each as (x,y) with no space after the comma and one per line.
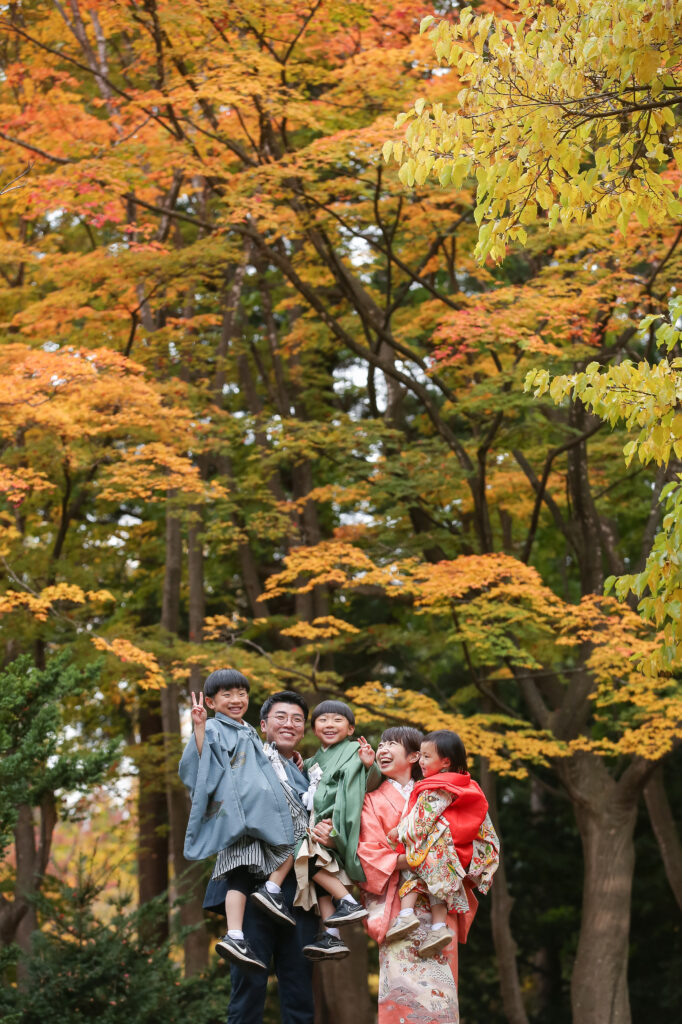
(277,944)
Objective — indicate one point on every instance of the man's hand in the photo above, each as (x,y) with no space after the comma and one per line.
(366,752)
(298,760)
(321,831)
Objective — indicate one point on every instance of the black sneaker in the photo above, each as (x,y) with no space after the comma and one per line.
(326,947)
(239,951)
(273,904)
(346,911)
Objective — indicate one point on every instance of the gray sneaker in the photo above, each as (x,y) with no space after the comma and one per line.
(273,904)
(346,911)
(239,951)
(326,947)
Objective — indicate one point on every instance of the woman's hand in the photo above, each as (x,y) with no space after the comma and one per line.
(322,832)
(392,836)
(366,752)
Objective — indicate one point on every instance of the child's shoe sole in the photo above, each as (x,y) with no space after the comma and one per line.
(346,917)
(245,959)
(401,928)
(318,954)
(271,908)
(432,946)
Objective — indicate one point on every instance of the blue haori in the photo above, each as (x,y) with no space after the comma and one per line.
(235,791)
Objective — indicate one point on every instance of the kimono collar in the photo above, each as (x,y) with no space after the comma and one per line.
(226,720)
(404,790)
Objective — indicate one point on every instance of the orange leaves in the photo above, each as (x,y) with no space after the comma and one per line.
(50,599)
(129,653)
(153,470)
(322,628)
(15,484)
(334,563)
(68,403)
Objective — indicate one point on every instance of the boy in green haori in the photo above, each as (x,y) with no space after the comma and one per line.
(340,774)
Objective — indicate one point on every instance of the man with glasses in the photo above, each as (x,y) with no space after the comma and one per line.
(283,718)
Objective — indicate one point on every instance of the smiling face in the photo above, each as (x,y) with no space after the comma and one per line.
(232,703)
(430,760)
(332,728)
(395,762)
(284,726)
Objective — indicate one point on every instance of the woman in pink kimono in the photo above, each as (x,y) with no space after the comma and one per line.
(412,990)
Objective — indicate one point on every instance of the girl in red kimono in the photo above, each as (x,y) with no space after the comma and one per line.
(422,991)
(449,842)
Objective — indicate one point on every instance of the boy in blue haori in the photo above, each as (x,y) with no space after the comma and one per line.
(239,809)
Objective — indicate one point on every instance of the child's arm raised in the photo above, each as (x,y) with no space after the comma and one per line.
(366,752)
(199,716)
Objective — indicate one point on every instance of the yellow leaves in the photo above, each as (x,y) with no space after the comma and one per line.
(50,599)
(552,80)
(129,653)
(335,563)
(508,743)
(322,628)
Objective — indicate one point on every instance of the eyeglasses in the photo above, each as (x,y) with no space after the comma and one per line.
(283,719)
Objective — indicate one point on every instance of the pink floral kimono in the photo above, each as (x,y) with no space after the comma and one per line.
(411,990)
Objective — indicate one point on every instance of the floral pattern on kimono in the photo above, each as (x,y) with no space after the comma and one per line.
(436,869)
(416,991)
(411,990)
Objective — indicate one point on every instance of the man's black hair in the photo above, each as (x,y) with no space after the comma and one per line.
(225,679)
(333,707)
(448,744)
(283,697)
(409,738)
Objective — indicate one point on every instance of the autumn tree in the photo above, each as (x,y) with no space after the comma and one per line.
(327,368)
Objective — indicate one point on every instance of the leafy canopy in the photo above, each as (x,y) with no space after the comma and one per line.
(570,110)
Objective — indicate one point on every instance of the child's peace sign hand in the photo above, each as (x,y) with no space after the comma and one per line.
(366,752)
(199,713)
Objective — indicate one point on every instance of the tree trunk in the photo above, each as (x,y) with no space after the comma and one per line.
(665,830)
(340,987)
(152,838)
(197,603)
(187,878)
(500,914)
(606,815)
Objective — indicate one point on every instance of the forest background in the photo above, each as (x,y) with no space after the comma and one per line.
(263,405)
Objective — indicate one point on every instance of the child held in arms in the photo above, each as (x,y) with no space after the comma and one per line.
(450,843)
(239,809)
(340,774)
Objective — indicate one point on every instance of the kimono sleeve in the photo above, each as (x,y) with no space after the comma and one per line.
(424,824)
(378,858)
(216,817)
